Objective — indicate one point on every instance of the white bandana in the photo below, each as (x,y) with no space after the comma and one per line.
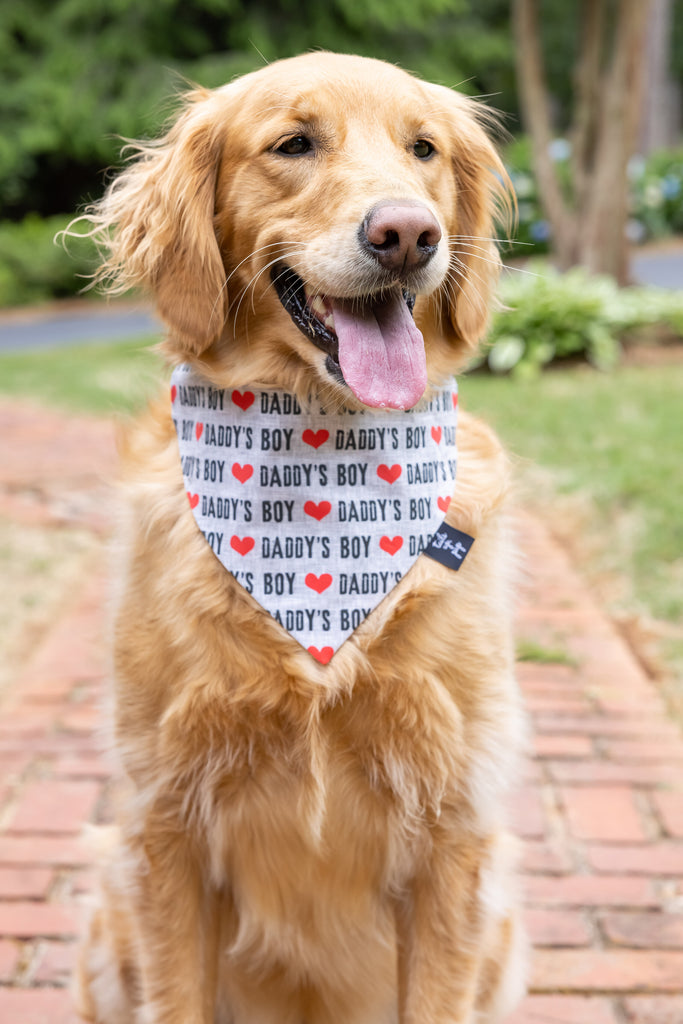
(317,515)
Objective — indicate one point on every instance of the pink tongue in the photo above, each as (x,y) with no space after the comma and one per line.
(381,352)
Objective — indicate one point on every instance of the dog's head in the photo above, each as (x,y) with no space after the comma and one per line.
(291,224)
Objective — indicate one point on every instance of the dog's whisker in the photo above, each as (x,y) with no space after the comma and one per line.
(282,255)
(464,270)
(251,255)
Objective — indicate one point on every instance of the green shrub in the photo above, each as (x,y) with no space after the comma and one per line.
(656,195)
(34,267)
(551,316)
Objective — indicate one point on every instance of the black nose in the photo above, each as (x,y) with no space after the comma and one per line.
(401,234)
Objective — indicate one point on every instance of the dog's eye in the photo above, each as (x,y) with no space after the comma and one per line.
(296,146)
(423,149)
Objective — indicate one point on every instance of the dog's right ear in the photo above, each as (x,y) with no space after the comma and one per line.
(155,224)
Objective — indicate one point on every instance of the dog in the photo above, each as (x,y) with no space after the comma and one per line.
(310,833)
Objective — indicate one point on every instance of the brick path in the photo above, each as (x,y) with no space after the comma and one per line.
(600,812)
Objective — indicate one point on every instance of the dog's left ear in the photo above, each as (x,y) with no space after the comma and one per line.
(155,224)
(484,198)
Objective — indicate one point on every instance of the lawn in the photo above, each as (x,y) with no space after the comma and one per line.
(99,378)
(599,455)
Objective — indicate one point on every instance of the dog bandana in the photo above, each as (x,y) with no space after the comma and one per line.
(317,515)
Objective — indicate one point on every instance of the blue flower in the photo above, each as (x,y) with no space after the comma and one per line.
(671,186)
(540,231)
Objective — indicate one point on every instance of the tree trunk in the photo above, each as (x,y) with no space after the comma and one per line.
(660,121)
(591,228)
(535,107)
(604,245)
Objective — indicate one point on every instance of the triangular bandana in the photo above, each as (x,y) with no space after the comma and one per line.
(317,515)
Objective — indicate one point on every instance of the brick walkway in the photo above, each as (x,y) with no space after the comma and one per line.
(600,812)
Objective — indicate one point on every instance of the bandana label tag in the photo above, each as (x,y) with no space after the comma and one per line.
(449,546)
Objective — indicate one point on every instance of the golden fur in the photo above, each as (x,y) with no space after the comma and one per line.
(298,843)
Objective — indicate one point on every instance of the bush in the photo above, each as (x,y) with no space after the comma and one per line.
(551,316)
(656,208)
(34,267)
(657,195)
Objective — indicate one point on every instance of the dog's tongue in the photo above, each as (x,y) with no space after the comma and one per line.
(381,352)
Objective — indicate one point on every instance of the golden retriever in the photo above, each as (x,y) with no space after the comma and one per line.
(299,842)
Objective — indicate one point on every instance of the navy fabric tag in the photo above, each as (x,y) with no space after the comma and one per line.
(449,546)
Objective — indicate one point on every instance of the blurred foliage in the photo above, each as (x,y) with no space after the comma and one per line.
(76,75)
(550,316)
(33,267)
(79,76)
(656,203)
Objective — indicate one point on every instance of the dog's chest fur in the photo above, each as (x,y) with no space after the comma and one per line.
(308,791)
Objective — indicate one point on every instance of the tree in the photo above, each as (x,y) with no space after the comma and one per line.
(660,122)
(587,215)
(76,75)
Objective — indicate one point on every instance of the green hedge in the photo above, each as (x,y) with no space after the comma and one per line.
(551,316)
(34,266)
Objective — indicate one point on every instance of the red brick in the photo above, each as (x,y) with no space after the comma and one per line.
(609,772)
(28,920)
(80,720)
(562,746)
(546,678)
(557,928)
(56,964)
(526,814)
(604,813)
(654,1009)
(9,959)
(86,767)
(24,883)
(559,1009)
(37,1006)
(553,707)
(43,850)
(55,806)
(648,930)
(614,726)
(546,857)
(645,750)
(641,859)
(589,891)
(600,970)
(636,700)
(22,724)
(670,809)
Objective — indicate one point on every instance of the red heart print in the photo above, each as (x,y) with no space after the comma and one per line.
(323,655)
(174,392)
(242,545)
(243,400)
(193,499)
(389,473)
(455,401)
(391,544)
(242,473)
(436,434)
(199,429)
(315,438)
(318,583)
(319,511)
(443,503)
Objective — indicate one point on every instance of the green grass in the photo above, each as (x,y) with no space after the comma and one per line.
(611,445)
(530,650)
(98,378)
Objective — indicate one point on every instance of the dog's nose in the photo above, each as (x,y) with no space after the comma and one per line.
(401,234)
